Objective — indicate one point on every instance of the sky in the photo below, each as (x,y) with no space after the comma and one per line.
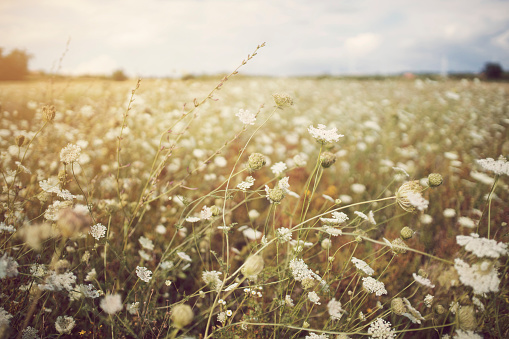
(171,38)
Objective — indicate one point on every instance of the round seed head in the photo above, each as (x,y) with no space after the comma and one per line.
(398,306)
(256,161)
(406,233)
(435,180)
(253,266)
(182,315)
(327,159)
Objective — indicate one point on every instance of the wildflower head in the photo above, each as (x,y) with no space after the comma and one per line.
(253,266)
(48,113)
(439,309)
(275,195)
(399,246)
(435,180)
(182,315)
(466,318)
(282,100)
(398,306)
(70,153)
(406,233)
(405,193)
(65,324)
(324,136)
(327,159)
(256,161)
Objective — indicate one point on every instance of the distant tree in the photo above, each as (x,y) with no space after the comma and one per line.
(493,70)
(119,75)
(14,66)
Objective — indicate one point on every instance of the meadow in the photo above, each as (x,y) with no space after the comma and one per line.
(254,207)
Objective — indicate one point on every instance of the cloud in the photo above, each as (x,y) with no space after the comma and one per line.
(102,64)
(362,44)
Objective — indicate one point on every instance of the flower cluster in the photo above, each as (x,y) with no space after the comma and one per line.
(246,117)
(324,136)
(500,166)
(482,247)
(373,286)
(380,328)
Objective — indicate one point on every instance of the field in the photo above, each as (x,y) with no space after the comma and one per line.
(222,208)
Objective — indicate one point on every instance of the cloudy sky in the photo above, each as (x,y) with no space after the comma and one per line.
(303,37)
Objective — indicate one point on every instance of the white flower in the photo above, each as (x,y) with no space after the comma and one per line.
(245,185)
(111,303)
(449,213)
(428,300)
(284,234)
(335,310)
(482,247)
(160,229)
(98,231)
(184,256)
(206,213)
(30,333)
(143,273)
(324,136)
(65,324)
(192,219)
(373,286)
(246,117)
(332,231)
(380,328)
(221,317)
(58,282)
(7,228)
(278,168)
(500,166)
(70,153)
(423,281)
(426,219)
(146,243)
(312,335)
(314,298)
(460,334)
(133,308)
(466,222)
(51,185)
(4,317)
(362,266)
(371,217)
(289,301)
(337,218)
(8,267)
(211,278)
(482,276)
(284,185)
(361,215)
(251,234)
(358,188)
(417,200)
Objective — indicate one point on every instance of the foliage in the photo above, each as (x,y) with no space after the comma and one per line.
(14,66)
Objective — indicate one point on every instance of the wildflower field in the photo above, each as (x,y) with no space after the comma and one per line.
(244,207)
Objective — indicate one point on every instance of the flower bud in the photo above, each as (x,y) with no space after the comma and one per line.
(422,273)
(20,140)
(439,309)
(182,315)
(435,180)
(256,161)
(215,210)
(253,266)
(406,233)
(326,243)
(398,306)
(327,159)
